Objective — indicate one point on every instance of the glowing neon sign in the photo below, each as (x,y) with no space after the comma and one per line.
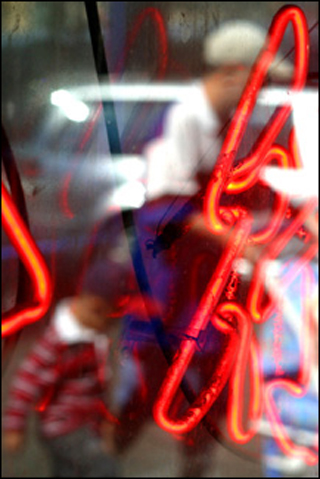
(221,220)
(235,322)
(23,242)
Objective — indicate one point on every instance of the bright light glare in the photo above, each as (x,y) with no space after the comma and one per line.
(302,183)
(72,108)
(277,96)
(130,167)
(299,184)
(135,92)
(129,195)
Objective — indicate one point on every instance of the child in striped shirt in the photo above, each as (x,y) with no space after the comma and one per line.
(66,376)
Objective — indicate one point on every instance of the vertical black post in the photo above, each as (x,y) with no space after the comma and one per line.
(102,69)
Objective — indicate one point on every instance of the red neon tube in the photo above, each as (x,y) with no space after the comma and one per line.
(283,440)
(158,20)
(220,220)
(248,353)
(27,249)
(298,388)
(218,184)
(187,348)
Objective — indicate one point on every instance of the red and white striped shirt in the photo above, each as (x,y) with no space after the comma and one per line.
(62,377)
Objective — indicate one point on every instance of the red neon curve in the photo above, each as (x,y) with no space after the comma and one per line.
(248,348)
(221,173)
(163,56)
(280,434)
(220,220)
(207,396)
(298,388)
(187,348)
(156,16)
(27,249)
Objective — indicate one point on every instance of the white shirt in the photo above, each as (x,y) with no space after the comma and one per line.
(190,143)
(71,331)
(301,184)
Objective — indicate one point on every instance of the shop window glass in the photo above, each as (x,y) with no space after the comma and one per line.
(164,157)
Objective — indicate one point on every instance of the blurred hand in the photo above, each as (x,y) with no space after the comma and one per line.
(13,440)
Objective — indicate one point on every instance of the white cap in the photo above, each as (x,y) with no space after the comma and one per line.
(239,42)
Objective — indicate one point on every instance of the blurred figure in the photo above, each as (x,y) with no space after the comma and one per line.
(181,257)
(194,129)
(66,375)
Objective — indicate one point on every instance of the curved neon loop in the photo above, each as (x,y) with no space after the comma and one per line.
(187,348)
(247,354)
(298,388)
(23,242)
(280,435)
(220,220)
(221,173)
(207,396)
(155,15)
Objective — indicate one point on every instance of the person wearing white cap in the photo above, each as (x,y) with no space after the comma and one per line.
(193,128)
(178,165)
